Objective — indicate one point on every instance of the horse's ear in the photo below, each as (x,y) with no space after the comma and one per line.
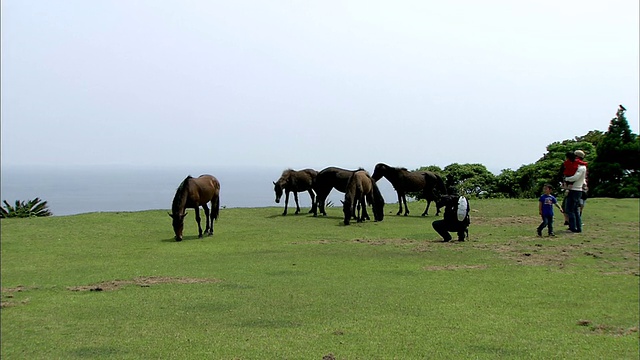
(170,214)
(274,183)
(342,202)
(183,215)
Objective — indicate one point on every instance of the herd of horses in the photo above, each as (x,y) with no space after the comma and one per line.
(360,189)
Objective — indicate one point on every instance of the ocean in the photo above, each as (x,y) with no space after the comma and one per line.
(77,190)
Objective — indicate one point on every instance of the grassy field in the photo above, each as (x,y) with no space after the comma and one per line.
(116,285)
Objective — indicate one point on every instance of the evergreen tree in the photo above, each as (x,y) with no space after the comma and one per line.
(614,172)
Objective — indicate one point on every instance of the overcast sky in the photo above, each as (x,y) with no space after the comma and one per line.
(311,83)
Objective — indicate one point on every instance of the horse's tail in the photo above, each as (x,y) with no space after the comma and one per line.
(378,202)
(440,184)
(215,207)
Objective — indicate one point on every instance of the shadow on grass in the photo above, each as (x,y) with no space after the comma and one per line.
(184,238)
(279,215)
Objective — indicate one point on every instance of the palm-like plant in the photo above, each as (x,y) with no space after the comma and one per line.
(23,209)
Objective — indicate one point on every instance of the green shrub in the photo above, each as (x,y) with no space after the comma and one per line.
(23,209)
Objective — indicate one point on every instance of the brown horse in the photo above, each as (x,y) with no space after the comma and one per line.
(429,183)
(296,181)
(328,179)
(362,190)
(193,193)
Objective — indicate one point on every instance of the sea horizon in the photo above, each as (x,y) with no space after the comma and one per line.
(71,190)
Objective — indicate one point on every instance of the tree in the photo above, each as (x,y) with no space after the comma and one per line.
(532,177)
(593,137)
(23,209)
(506,184)
(614,172)
(470,180)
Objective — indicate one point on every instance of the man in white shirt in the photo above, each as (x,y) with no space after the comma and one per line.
(573,202)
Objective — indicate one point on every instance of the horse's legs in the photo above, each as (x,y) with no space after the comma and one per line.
(319,204)
(321,198)
(313,202)
(355,210)
(406,209)
(197,208)
(426,211)
(365,214)
(286,202)
(399,204)
(368,200)
(295,197)
(208,230)
(432,197)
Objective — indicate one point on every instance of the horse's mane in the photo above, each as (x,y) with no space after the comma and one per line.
(180,194)
(286,175)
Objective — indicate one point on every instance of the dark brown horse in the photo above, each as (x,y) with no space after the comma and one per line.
(193,193)
(296,181)
(328,179)
(429,183)
(361,191)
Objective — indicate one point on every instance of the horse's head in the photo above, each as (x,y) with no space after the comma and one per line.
(379,171)
(378,209)
(277,187)
(178,224)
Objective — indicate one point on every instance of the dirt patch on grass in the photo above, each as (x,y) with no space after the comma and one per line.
(8,297)
(612,258)
(143,281)
(603,329)
(532,253)
(505,221)
(385,241)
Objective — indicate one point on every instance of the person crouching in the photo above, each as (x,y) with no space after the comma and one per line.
(455,218)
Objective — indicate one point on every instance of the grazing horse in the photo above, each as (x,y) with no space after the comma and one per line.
(403,181)
(362,190)
(296,181)
(193,193)
(328,179)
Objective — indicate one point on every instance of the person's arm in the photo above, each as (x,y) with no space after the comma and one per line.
(540,207)
(579,173)
(559,207)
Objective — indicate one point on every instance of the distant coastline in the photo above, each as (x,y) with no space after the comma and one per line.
(72,190)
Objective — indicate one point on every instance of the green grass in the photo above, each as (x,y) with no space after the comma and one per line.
(297,287)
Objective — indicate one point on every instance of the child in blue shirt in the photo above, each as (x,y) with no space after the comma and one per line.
(545,208)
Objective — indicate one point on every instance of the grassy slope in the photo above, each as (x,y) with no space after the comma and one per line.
(299,287)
